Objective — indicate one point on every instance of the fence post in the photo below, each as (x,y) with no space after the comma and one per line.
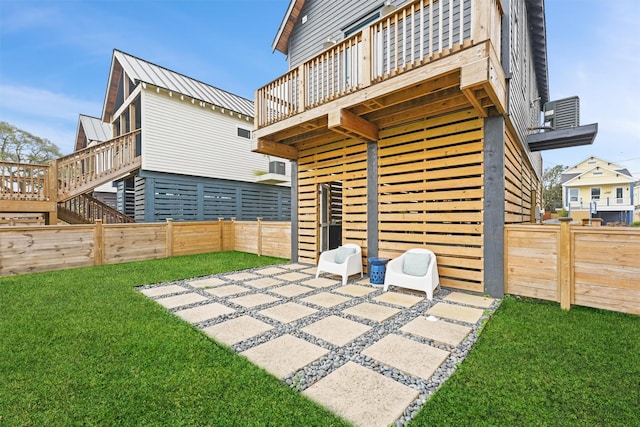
(98,243)
(259,236)
(51,185)
(564,253)
(221,228)
(233,233)
(169,238)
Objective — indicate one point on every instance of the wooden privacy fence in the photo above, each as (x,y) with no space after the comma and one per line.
(33,249)
(590,266)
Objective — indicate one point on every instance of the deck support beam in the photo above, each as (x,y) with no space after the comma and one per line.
(345,122)
(277,149)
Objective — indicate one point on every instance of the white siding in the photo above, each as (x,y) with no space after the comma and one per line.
(184,138)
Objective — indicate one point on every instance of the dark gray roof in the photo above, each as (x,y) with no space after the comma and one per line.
(538,29)
(568,177)
(144,71)
(624,171)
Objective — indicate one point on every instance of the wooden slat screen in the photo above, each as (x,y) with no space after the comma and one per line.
(342,160)
(430,194)
(520,181)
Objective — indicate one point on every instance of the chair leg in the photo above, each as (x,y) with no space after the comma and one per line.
(317,273)
(344,280)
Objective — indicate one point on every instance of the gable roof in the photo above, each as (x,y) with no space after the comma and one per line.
(281,42)
(93,129)
(599,162)
(140,70)
(621,177)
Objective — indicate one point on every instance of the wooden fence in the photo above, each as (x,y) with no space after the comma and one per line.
(34,249)
(589,266)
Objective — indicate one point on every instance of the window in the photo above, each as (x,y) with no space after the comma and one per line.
(573,195)
(595,193)
(244,133)
(619,195)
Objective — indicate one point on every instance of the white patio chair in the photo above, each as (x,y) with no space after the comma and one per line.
(415,269)
(344,261)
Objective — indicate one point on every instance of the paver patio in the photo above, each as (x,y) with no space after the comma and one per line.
(331,341)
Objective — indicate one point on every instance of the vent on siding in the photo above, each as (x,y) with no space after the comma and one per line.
(563,113)
(276,167)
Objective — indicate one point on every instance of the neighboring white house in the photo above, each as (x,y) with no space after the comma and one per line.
(195,146)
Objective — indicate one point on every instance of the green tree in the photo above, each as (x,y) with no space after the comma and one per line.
(20,146)
(552,188)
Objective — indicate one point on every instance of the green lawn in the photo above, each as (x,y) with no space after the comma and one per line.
(81,347)
(535,364)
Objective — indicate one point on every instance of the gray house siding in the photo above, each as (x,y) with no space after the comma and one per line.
(186,198)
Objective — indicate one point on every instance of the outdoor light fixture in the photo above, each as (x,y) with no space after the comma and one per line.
(387,8)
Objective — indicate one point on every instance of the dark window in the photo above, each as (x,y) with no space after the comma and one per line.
(244,133)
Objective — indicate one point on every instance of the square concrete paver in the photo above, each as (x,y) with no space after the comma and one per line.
(254,300)
(293,276)
(180,300)
(336,330)
(225,291)
(320,282)
(288,312)
(355,290)
(293,266)
(362,396)
(310,270)
(395,298)
(270,271)
(474,300)
(163,290)
(413,358)
(204,312)
(284,355)
(263,282)
(326,299)
(237,330)
(375,312)
(241,276)
(291,290)
(456,312)
(207,283)
(438,330)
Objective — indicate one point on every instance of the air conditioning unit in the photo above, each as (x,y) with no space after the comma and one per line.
(276,167)
(563,113)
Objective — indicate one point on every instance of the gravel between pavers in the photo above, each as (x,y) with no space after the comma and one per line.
(339,355)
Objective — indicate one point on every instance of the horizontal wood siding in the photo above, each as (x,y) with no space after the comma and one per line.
(332,160)
(32,249)
(46,248)
(184,138)
(602,267)
(531,259)
(207,199)
(133,242)
(430,194)
(520,183)
(607,268)
(189,239)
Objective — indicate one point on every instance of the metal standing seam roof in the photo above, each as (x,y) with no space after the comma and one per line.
(144,71)
(95,129)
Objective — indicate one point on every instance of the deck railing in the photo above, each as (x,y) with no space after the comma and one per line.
(87,168)
(90,209)
(398,42)
(24,181)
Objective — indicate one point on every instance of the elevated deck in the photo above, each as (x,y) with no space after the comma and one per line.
(426,55)
(31,188)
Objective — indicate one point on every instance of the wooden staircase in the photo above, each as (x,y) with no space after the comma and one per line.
(84,209)
(47,188)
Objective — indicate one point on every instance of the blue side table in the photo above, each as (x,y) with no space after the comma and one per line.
(377,269)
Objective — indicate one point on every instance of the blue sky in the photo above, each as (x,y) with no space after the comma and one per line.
(55,58)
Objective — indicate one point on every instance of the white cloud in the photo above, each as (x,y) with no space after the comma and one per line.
(49,115)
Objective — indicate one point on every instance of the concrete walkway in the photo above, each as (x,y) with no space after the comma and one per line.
(370,356)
